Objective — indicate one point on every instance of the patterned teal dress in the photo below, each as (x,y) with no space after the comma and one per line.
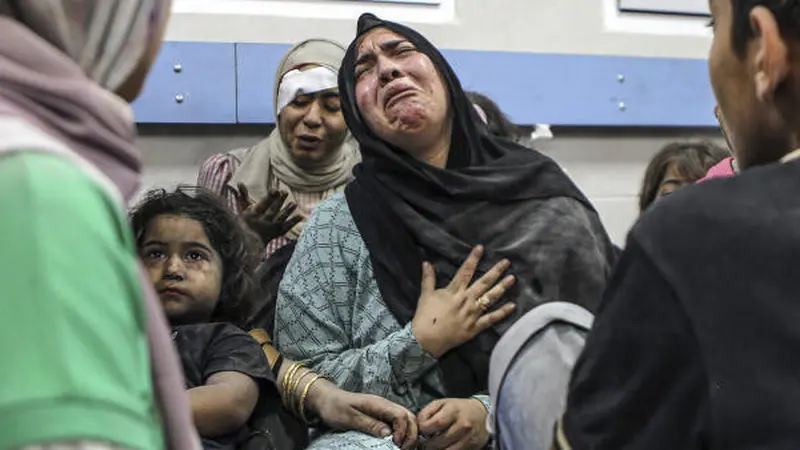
(330,314)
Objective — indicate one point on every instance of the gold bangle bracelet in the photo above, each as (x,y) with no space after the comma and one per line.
(296,380)
(293,390)
(288,395)
(290,374)
(287,378)
(304,395)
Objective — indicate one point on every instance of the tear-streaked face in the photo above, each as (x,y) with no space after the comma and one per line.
(399,91)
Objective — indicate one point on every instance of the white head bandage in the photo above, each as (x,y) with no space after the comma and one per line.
(300,82)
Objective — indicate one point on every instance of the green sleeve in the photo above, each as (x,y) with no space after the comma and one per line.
(72,331)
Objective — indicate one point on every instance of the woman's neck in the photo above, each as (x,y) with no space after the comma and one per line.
(437,152)
(437,156)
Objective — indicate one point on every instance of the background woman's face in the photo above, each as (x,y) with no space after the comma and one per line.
(313,127)
(399,92)
(672,181)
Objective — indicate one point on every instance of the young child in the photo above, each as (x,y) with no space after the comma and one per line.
(201,263)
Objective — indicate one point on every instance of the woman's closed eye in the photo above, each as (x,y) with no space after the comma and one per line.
(361,69)
(333,104)
(302,100)
(405,49)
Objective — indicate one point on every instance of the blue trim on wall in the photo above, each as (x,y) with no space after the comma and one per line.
(190,82)
(232,83)
(587,90)
(255,68)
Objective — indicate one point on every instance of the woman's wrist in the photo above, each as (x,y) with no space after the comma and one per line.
(429,343)
(484,407)
(319,395)
(302,390)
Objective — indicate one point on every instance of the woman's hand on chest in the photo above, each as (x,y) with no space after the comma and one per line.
(448,317)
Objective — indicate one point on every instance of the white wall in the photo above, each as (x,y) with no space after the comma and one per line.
(546,26)
(608,166)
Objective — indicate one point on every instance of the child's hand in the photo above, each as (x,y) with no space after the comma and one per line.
(368,414)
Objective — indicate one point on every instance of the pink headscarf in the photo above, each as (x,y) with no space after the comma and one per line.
(59,60)
(723,169)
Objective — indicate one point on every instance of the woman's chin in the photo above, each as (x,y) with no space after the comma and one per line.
(308,158)
(411,123)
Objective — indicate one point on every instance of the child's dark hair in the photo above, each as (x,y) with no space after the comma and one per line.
(691,159)
(237,248)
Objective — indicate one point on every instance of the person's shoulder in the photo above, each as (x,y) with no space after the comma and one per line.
(213,338)
(566,206)
(230,348)
(42,186)
(42,172)
(193,335)
(331,228)
(234,156)
(217,167)
(682,211)
(568,215)
(335,205)
(695,215)
(210,331)
(333,213)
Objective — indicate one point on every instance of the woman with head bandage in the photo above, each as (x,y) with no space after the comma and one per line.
(308,157)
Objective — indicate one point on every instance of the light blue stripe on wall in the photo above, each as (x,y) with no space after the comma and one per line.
(256,65)
(590,90)
(190,82)
(232,83)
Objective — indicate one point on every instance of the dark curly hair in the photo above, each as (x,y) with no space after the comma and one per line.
(691,159)
(236,246)
(787,14)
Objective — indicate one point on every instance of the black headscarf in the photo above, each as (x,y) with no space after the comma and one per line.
(408,211)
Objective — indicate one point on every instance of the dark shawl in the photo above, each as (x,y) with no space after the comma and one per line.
(514,200)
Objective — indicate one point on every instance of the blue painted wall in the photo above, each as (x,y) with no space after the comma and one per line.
(190,82)
(255,67)
(232,83)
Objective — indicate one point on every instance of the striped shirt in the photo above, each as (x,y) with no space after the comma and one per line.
(216,173)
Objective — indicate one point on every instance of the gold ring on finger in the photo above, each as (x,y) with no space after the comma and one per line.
(484,303)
